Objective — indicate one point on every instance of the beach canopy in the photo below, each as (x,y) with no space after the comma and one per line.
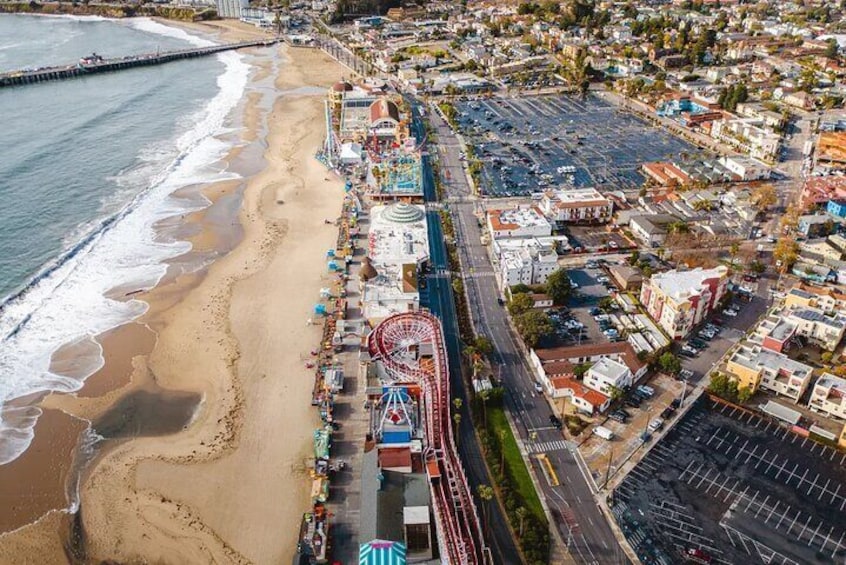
(381,552)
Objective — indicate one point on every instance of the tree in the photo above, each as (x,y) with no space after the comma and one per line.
(483,345)
(521,513)
(533,326)
(456,420)
(831,48)
(826,356)
(669,363)
(580,370)
(485,493)
(785,253)
(734,249)
(520,304)
(558,286)
(744,394)
(605,303)
(484,396)
(520,289)
(634,257)
(764,197)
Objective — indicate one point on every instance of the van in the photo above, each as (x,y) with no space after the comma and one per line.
(604,433)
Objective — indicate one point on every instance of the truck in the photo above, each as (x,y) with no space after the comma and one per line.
(604,433)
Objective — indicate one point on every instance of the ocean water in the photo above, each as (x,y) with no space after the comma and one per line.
(88,167)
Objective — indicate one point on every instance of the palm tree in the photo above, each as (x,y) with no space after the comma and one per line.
(521,515)
(501,434)
(456,420)
(486,493)
(484,395)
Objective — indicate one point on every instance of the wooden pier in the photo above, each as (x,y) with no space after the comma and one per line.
(17,78)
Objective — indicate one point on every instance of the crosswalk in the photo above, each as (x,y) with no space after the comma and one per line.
(546,446)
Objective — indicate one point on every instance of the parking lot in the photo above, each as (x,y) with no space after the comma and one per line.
(532,143)
(604,457)
(727,486)
(591,238)
(732,330)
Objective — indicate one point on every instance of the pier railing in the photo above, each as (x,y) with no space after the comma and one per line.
(29,76)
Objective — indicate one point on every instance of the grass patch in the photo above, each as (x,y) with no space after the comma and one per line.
(515,468)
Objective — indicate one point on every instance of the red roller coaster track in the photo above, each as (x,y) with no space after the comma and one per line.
(396,342)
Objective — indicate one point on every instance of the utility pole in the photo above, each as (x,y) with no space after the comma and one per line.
(608,468)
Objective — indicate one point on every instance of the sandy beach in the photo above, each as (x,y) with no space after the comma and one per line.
(207,398)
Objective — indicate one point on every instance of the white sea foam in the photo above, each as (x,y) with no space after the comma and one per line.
(70,302)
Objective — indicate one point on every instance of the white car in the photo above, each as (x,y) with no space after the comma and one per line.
(538,387)
(730,313)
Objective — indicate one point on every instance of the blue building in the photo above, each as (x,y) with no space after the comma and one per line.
(836,208)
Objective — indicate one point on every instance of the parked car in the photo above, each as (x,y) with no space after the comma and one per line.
(668,411)
(538,387)
(633,401)
(730,313)
(685,374)
(594,311)
(646,390)
(697,343)
(675,403)
(555,421)
(656,424)
(618,417)
(689,351)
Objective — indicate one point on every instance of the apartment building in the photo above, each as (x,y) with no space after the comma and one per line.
(582,205)
(829,396)
(754,367)
(784,324)
(526,265)
(748,135)
(679,300)
(826,299)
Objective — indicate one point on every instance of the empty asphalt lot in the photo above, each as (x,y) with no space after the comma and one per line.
(735,486)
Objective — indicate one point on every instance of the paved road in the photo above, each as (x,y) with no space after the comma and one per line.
(438,297)
(575,511)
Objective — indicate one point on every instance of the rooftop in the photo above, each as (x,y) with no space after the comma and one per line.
(680,285)
(756,358)
(596,399)
(609,369)
(833,383)
(577,197)
(516,218)
(572,354)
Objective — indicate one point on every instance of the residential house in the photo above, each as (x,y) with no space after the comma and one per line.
(651,229)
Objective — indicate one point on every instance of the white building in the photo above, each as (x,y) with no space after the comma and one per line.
(526,265)
(748,135)
(679,300)
(606,375)
(518,222)
(398,243)
(231,8)
(829,396)
(581,205)
(745,168)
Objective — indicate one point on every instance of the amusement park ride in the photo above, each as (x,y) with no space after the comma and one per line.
(410,348)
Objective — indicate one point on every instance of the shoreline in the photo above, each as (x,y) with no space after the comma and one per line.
(191,309)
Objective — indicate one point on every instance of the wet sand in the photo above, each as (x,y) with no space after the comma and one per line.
(34,483)
(222,377)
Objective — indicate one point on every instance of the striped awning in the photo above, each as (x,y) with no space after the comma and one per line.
(381,552)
